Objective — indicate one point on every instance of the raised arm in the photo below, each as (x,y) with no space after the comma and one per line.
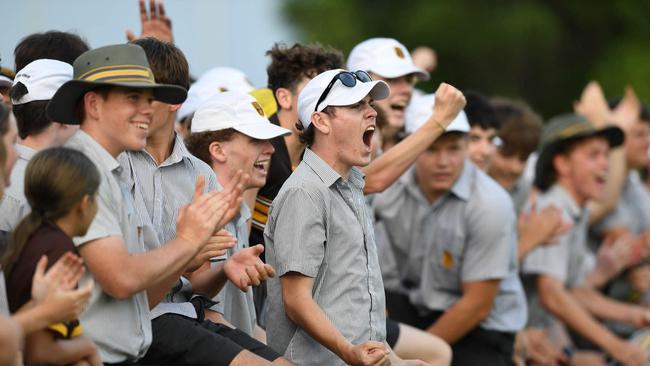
(383,171)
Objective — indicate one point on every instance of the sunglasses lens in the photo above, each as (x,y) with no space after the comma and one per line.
(347,79)
(363,76)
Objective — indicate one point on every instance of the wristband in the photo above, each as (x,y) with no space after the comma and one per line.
(442,128)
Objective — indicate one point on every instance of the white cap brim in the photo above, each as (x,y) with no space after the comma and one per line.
(391,72)
(261,131)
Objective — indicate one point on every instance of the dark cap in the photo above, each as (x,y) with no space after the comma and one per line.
(564,129)
(123,65)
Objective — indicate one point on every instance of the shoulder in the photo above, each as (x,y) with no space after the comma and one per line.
(199,168)
(488,197)
(303,188)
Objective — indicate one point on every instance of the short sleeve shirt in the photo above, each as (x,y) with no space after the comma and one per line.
(466,235)
(47,240)
(14,205)
(569,260)
(239,307)
(320,226)
(159,192)
(121,329)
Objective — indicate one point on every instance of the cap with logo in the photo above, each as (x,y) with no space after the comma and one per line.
(236,110)
(339,94)
(421,108)
(563,129)
(123,65)
(42,78)
(213,82)
(385,57)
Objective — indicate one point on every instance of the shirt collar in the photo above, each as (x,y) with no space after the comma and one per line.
(25,152)
(462,186)
(320,167)
(179,152)
(103,158)
(412,186)
(567,201)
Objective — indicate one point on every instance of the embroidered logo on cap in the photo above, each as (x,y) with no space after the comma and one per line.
(399,52)
(447,259)
(258,108)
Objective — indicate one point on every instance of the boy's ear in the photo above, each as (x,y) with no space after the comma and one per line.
(284,97)
(322,122)
(217,152)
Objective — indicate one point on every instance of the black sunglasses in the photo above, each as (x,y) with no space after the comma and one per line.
(348,78)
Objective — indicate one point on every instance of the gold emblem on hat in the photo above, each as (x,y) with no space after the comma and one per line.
(223,89)
(399,52)
(447,259)
(258,108)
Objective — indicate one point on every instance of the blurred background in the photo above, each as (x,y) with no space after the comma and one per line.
(542,51)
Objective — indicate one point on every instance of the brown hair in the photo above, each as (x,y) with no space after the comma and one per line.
(521,128)
(198,143)
(167,62)
(289,65)
(55,45)
(56,180)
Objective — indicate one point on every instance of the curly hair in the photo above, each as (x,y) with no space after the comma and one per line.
(289,65)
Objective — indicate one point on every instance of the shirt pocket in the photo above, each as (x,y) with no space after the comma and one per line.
(444,256)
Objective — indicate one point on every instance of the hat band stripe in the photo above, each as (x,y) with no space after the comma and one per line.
(113,67)
(575,129)
(123,73)
(121,80)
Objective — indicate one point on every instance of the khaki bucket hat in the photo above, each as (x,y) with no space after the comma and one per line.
(561,130)
(123,65)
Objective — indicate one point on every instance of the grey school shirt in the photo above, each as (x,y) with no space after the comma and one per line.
(632,210)
(159,192)
(466,235)
(569,260)
(121,329)
(320,227)
(14,205)
(238,306)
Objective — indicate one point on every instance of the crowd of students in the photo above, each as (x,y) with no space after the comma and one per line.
(337,215)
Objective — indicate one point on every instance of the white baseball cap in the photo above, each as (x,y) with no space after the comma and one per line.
(339,94)
(213,82)
(42,78)
(237,110)
(385,57)
(421,108)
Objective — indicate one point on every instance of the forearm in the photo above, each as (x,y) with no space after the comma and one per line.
(208,281)
(524,246)
(306,314)
(42,348)
(390,165)
(32,317)
(10,341)
(152,268)
(465,315)
(603,307)
(565,307)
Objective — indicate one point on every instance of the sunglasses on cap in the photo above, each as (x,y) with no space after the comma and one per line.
(347,78)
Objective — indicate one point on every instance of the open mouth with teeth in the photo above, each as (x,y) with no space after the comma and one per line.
(261,165)
(367,135)
(142,126)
